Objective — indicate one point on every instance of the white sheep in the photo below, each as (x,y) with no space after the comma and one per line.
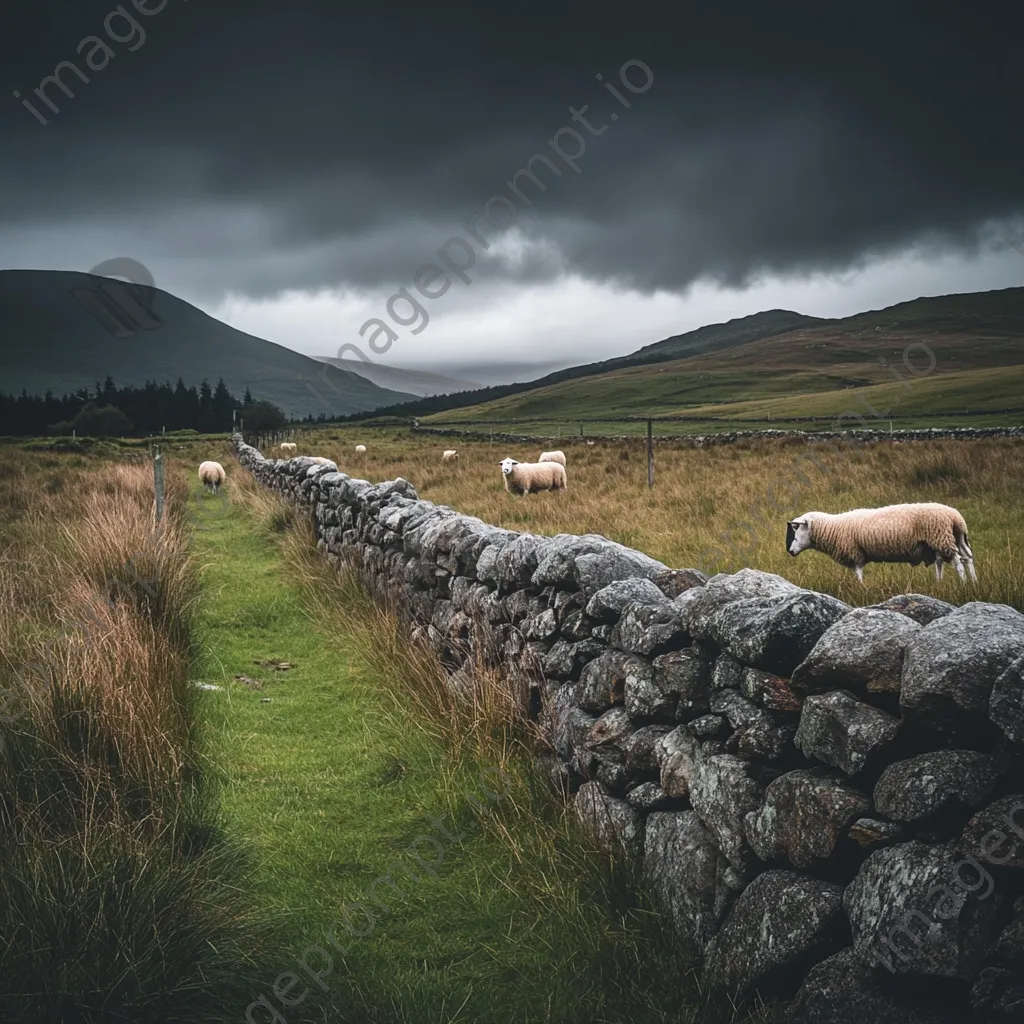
(211,475)
(321,461)
(558,457)
(360,449)
(913,533)
(287,446)
(530,477)
(450,455)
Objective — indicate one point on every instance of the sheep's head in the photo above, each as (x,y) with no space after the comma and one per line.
(506,465)
(798,534)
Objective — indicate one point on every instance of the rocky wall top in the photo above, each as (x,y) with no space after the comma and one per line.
(828,801)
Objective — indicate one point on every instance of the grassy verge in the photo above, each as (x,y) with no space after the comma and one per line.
(119,898)
(454,883)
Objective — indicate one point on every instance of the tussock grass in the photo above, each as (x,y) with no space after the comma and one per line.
(119,898)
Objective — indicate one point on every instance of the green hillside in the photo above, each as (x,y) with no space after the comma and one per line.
(58,333)
(970,332)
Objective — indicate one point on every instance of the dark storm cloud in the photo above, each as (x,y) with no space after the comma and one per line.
(294,146)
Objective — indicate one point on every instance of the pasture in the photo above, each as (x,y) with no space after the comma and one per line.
(725,508)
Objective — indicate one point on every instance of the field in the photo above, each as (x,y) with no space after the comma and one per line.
(726,507)
(177,852)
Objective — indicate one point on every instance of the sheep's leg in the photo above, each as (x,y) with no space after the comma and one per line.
(959,566)
(970,569)
(859,570)
(938,567)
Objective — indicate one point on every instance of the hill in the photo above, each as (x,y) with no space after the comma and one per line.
(64,330)
(395,378)
(759,358)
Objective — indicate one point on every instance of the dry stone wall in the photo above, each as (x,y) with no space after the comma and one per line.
(828,801)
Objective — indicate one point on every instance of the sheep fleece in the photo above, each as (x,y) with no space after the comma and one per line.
(888,534)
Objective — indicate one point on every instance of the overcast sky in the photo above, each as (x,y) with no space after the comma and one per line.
(289,168)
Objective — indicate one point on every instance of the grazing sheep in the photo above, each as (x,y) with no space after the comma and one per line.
(558,457)
(914,533)
(287,446)
(530,477)
(450,455)
(211,475)
(360,449)
(590,442)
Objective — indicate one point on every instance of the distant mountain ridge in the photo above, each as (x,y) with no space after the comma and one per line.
(414,382)
(776,352)
(64,330)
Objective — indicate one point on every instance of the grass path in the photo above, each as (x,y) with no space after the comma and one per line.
(332,790)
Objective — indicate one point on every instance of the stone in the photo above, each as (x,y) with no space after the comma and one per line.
(862,652)
(952,664)
(995,834)
(577,626)
(843,990)
(919,607)
(769,690)
(640,748)
(557,566)
(608,604)
(923,787)
(686,873)
(595,570)
(566,660)
(610,729)
(673,582)
(678,753)
(908,914)
(1006,705)
(710,727)
(649,796)
(604,681)
(684,681)
(839,730)
(723,790)
(649,629)
(757,734)
(614,823)
(780,925)
(727,674)
(567,725)
(804,817)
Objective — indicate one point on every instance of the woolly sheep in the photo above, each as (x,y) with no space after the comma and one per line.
(914,533)
(360,448)
(558,457)
(450,455)
(287,446)
(211,475)
(530,477)
(321,461)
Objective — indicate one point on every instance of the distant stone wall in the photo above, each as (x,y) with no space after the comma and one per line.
(732,436)
(828,801)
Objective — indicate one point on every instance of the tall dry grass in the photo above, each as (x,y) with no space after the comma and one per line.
(115,901)
(724,508)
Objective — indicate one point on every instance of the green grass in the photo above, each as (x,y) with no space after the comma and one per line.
(330,784)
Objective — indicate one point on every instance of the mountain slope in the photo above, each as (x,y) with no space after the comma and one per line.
(63,330)
(413,382)
(962,332)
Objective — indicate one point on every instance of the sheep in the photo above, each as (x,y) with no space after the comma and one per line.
(321,461)
(530,477)
(913,533)
(211,475)
(450,455)
(360,449)
(558,457)
(287,446)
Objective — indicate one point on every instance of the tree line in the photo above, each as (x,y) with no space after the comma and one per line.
(108,411)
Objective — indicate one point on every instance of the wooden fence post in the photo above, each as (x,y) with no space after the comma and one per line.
(650,453)
(158,482)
